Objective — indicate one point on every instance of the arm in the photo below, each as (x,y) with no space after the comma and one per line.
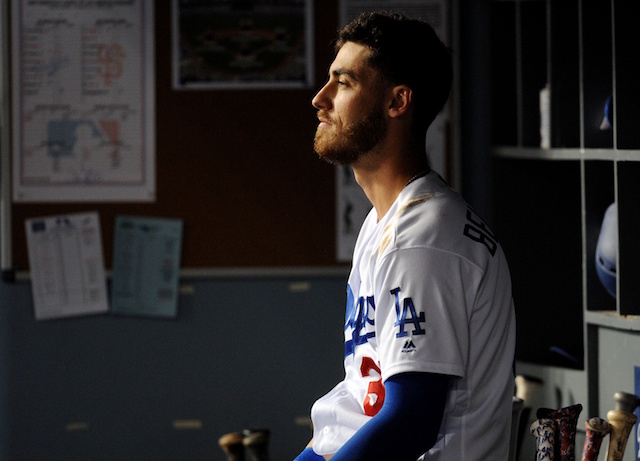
(407,424)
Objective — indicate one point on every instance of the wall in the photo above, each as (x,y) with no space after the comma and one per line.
(618,352)
(244,352)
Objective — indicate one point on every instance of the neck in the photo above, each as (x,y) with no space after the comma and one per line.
(384,178)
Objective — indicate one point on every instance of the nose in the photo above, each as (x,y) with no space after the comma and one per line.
(321,99)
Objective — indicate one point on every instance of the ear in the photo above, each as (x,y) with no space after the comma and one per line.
(401,102)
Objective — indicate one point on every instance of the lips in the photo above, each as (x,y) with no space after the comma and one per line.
(323,119)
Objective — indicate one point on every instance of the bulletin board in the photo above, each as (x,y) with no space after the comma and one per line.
(236,165)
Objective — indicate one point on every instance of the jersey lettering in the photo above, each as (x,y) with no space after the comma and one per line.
(402,319)
(375,392)
(478,231)
(359,315)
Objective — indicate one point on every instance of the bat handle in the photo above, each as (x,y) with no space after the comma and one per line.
(527,388)
(597,429)
(626,402)
(544,431)
(566,420)
(257,444)
(232,446)
(621,423)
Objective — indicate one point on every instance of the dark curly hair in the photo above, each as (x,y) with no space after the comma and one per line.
(405,51)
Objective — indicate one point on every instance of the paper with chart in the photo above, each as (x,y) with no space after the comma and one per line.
(83,101)
(146,266)
(66,265)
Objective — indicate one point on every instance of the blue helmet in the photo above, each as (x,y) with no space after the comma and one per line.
(606,250)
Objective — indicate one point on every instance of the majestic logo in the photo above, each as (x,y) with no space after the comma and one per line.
(408,347)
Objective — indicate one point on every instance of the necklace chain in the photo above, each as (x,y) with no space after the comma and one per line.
(418,176)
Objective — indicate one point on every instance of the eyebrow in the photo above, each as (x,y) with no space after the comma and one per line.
(342,71)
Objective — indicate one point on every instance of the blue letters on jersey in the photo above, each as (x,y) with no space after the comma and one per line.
(358,315)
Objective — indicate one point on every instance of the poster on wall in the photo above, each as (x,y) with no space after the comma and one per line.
(221,44)
(83,101)
(352,205)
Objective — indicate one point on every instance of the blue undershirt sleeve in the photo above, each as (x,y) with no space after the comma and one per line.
(408,422)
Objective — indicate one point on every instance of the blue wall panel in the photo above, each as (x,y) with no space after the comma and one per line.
(243,353)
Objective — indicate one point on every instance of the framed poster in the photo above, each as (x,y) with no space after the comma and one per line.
(221,44)
(83,101)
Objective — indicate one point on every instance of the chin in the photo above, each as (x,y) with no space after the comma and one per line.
(326,156)
(335,152)
(338,159)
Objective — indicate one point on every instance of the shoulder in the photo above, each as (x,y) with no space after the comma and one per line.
(427,212)
(433,216)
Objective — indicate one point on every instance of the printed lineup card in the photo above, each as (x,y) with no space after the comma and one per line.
(146,266)
(66,263)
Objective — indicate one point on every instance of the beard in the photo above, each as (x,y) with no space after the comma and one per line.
(356,139)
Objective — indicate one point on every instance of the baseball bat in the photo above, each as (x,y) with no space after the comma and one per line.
(597,429)
(232,446)
(256,441)
(621,422)
(527,388)
(544,431)
(566,420)
(626,402)
(516,412)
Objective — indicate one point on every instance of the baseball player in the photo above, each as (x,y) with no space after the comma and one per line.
(429,326)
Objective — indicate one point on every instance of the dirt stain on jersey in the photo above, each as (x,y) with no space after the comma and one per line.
(389,230)
(415,201)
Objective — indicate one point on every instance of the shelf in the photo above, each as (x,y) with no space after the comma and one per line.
(612,320)
(532,153)
(549,204)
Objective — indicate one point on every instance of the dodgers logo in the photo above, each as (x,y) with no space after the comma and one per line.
(406,314)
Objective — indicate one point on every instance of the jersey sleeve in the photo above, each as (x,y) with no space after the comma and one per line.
(422,311)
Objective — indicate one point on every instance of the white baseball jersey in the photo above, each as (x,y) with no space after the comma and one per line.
(429,291)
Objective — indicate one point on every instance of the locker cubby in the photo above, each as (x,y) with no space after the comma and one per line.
(549,203)
(629,237)
(597,73)
(599,195)
(627,74)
